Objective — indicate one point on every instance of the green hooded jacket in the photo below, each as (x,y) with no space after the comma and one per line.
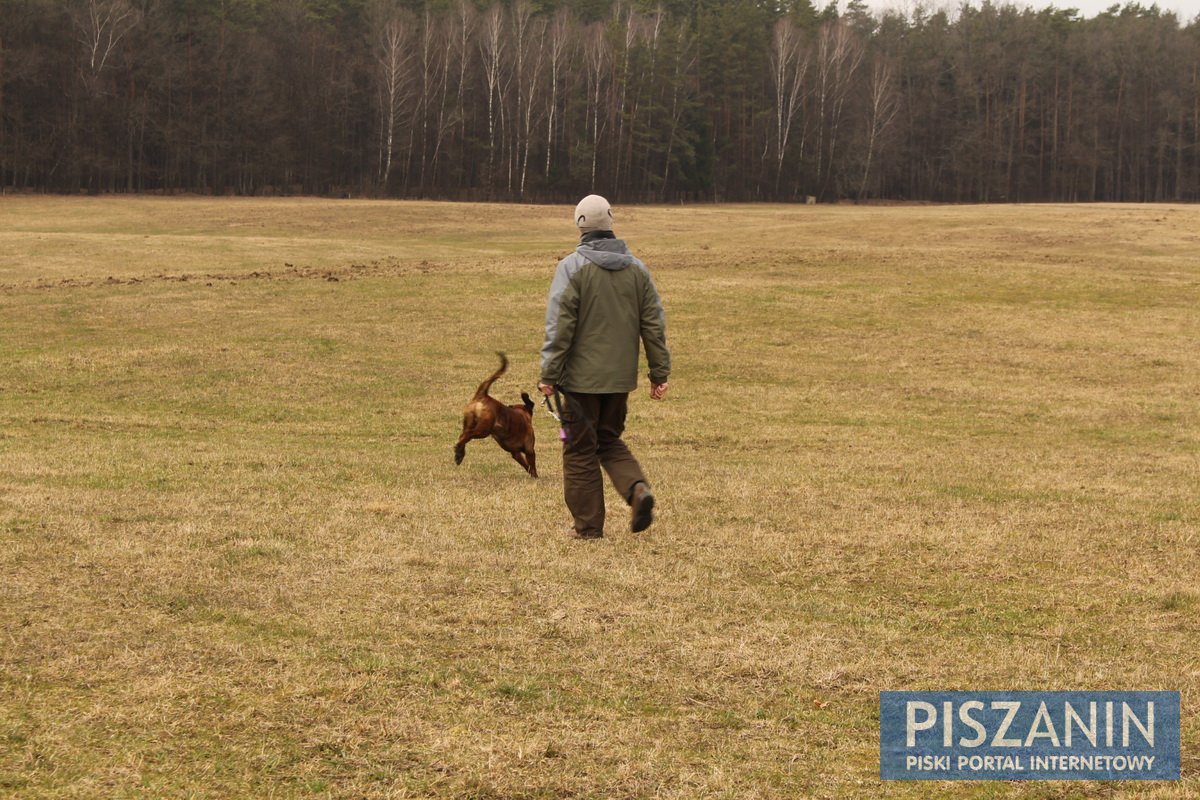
(602,301)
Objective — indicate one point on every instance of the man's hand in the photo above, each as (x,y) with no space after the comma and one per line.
(657,390)
(546,389)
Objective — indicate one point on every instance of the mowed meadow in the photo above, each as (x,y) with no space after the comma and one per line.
(904,448)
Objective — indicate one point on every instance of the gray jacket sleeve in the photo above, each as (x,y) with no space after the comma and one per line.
(562,312)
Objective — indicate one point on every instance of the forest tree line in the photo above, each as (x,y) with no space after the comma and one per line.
(642,101)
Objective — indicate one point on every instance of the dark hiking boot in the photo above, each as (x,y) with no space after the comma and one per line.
(642,503)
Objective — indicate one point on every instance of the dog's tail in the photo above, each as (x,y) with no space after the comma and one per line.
(482,391)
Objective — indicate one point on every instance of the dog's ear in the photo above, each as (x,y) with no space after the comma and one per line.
(528,403)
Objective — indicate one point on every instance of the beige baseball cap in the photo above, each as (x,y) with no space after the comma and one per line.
(593,214)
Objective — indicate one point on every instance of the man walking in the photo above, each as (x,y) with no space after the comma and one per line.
(602,301)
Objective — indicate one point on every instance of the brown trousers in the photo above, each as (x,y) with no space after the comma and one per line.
(594,441)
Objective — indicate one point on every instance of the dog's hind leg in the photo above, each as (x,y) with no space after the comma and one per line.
(520,457)
(529,449)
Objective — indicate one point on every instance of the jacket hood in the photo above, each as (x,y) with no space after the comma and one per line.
(610,254)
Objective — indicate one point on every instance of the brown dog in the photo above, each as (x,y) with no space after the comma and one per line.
(510,426)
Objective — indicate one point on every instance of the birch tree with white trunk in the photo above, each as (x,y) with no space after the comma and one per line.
(839,54)
(558,44)
(789,66)
(493,43)
(596,56)
(100,26)
(884,104)
(394,60)
(529,41)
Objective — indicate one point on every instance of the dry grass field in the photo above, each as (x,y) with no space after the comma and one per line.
(905,448)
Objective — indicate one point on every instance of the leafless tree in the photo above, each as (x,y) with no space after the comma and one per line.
(529,41)
(433,90)
(682,64)
(464,21)
(648,87)
(638,67)
(101,25)
(629,21)
(558,44)
(492,43)
(596,56)
(789,66)
(884,104)
(839,53)
(394,57)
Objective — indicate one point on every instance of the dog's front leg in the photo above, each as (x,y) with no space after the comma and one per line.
(460,447)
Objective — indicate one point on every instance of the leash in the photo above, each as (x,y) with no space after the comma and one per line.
(550,408)
(560,417)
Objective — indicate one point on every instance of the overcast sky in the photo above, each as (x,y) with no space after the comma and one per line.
(1186,9)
